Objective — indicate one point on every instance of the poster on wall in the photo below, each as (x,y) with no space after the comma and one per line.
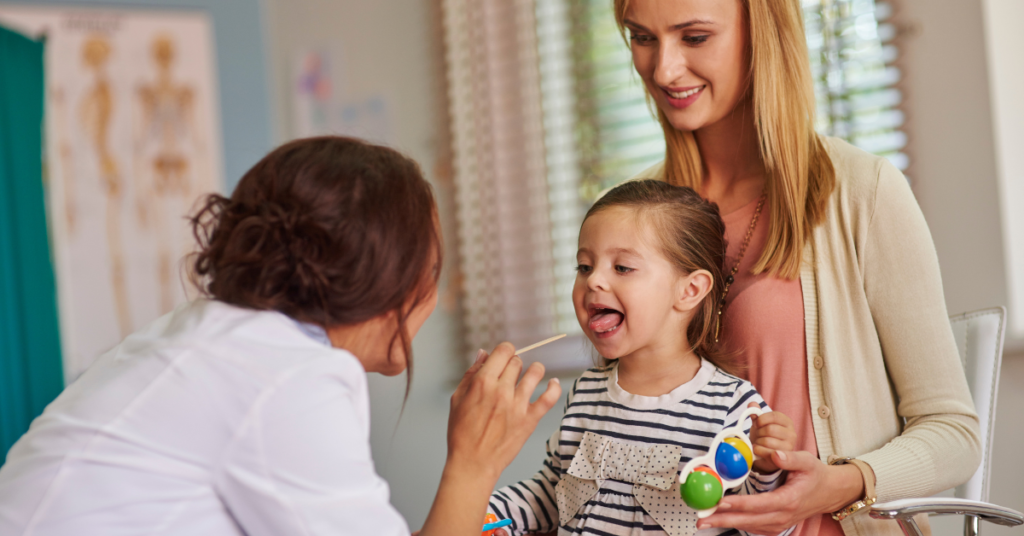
(133,142)
(321,105)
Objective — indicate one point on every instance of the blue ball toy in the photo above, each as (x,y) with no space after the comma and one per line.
(730,462)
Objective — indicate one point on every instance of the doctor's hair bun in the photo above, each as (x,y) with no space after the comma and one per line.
(329,230)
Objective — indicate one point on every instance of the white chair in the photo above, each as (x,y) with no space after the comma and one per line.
(979,337)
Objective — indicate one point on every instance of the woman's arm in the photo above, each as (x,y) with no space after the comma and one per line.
(491,419)
(940,446)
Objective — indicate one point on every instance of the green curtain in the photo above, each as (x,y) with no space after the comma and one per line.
(31,374)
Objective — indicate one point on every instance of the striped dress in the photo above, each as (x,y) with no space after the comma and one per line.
(611,467)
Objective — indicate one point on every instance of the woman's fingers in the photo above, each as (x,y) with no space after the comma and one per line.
(805,493)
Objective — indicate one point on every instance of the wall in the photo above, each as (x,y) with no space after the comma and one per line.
(242,73)
(953,173)
(392,47)
(388,47)
(1006,75)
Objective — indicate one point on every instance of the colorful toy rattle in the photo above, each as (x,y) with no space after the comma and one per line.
(492,524)
(703,481)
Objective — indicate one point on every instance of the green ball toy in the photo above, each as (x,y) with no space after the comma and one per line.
(702,489)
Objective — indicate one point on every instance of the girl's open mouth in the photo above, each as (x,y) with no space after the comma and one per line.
(604,321)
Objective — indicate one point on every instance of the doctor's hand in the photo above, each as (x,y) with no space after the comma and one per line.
(491,418)
(491,415)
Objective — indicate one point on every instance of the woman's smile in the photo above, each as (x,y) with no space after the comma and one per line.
(682,97)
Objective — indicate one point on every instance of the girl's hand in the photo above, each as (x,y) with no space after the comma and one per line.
(812,488)
(770,432)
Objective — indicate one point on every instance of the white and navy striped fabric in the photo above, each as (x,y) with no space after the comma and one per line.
(688,417)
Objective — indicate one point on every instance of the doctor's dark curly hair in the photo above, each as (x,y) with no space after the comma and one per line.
(332,231)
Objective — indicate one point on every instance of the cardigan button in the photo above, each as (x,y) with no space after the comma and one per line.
(818,362)
(824,412)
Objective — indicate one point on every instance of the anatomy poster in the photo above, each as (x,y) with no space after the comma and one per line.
(133,142)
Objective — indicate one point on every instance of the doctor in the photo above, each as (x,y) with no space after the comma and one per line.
(246,412)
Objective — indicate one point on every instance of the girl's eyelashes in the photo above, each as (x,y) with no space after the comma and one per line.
(696,39)
(623,269)
(582,269)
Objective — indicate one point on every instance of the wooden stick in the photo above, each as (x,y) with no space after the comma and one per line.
(539,344)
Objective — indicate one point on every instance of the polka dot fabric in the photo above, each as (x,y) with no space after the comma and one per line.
(652,469)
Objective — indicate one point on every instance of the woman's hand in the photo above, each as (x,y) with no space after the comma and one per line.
(812,488)
(491,417)
(770,432)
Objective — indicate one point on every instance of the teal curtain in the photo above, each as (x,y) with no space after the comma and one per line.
(31,374)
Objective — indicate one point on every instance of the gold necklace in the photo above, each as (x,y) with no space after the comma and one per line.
(735,268)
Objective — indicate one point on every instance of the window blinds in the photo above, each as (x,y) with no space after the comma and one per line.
(547,111)
(852,53)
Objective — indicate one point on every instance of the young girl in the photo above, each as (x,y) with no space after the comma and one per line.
(647,295)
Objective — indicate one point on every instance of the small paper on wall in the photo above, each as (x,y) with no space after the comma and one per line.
(321,108)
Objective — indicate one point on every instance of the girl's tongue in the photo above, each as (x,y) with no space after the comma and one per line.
(605,320)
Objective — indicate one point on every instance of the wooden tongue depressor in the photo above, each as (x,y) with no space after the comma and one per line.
(538,344)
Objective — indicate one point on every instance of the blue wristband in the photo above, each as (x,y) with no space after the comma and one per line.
(497,525)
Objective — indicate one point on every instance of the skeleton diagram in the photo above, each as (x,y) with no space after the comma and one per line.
(95,111)
(167,131)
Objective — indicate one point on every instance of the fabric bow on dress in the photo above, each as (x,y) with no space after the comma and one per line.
(652,469)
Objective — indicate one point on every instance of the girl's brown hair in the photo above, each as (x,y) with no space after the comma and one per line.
(332,231)
(692,237)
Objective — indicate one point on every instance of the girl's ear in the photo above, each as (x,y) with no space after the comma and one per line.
(693,288)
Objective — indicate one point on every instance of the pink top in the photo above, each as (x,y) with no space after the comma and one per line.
(763,323)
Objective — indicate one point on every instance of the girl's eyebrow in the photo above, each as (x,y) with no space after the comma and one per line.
(627,251)
(617,251)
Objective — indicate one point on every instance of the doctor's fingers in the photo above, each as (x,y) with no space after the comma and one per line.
(496,363)
(527,386)
(470,373)
(510,376)
(524,391)
(547,400)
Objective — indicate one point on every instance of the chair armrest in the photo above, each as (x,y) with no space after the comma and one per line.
(905,508)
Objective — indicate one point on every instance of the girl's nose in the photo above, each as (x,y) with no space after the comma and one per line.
(597,281)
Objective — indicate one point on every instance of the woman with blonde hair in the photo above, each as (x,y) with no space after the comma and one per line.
(834,300)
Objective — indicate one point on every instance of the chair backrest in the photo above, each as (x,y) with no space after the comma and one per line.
(979,338)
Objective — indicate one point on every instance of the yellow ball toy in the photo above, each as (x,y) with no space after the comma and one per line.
(742,447)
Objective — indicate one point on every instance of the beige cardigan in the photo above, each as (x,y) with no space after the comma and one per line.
(886,382)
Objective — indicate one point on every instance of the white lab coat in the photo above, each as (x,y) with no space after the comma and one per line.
(214,420)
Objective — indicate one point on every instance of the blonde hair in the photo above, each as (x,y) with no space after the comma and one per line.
(800,175)
(691,235)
